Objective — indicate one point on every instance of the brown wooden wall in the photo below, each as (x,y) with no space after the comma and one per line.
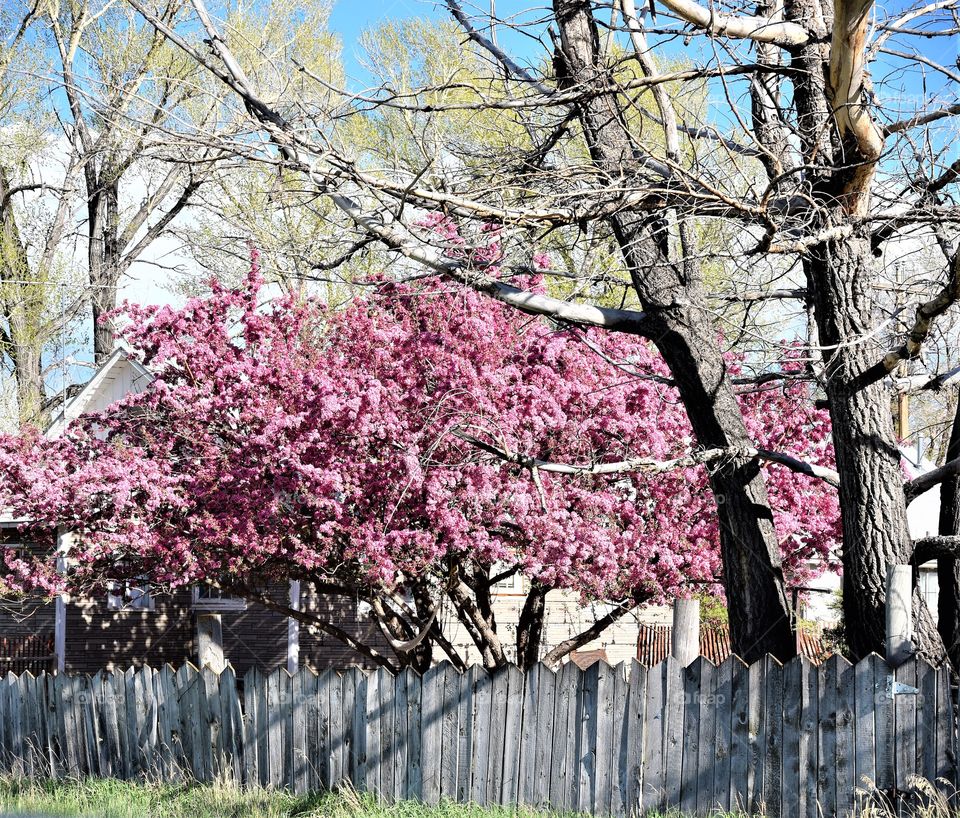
(98,638)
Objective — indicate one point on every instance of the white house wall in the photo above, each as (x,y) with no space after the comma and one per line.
(565,617)
(119,376)
(122,380)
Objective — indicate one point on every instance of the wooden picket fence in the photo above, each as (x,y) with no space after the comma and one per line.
(795,739)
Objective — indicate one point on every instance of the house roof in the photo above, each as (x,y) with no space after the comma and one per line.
(117,377)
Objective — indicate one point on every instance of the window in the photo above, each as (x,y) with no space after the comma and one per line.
(512,582)
(129,595)
(929,587)
(208,598)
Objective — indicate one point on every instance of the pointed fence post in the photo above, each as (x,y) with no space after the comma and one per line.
(293,629)
(210,641)
(899,614)
(686,630)
(64,543)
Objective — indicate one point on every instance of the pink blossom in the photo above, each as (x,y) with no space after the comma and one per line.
(287,440)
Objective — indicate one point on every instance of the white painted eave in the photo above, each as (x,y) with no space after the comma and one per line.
(122,353)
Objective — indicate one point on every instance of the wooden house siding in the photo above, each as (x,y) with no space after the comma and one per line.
(98,638)
(26,617)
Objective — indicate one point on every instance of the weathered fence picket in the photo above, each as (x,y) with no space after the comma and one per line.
(792,740)
(655,732)
(631,771)
(547,681)
(450,731)
(414,726)
(793,781)
(373,756)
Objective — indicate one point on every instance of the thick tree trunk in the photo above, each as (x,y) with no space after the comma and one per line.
(22,302)
(837,135)
(948,568)
(872,501)
(672,296)
(530,626)
(103,259)
(31,392)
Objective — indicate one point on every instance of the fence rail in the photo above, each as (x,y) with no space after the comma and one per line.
(792,739)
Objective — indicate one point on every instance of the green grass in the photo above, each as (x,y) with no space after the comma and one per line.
(118,799)
(93,798)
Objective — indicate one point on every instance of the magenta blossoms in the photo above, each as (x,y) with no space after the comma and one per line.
(284,441)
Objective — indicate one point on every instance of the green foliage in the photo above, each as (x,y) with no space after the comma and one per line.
(713,610)
(411,55)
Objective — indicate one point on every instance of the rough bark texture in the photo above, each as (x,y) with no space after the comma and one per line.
(103,255)
(810,62)
(872,502)
(672,295)
(765,93)
(948,568)
(22,304)
(530,626)
(840,275)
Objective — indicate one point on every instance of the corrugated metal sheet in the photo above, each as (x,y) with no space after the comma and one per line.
(653,644)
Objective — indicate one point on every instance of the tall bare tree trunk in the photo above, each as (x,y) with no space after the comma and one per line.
(872,502)
(103,255)
(22,303)
(31,391)
(840,275)
(671,293)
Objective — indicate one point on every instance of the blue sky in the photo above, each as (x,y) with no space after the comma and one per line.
(351,17)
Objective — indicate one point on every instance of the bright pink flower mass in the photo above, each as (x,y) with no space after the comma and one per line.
(285,440)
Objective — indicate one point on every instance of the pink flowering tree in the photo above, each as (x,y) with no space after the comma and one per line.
(410,451)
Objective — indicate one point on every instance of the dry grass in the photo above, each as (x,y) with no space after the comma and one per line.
(118,799)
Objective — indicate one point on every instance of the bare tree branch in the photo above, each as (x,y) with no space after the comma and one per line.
(649,464)
(927,313)
(588,635)
(924,482)
(935,547)
(850,101)
(487,44)
(313,624)
(759,29)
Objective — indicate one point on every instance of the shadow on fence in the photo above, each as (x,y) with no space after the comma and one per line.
(790,739)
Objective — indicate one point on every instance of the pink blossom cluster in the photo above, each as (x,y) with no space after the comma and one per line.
(285,440)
